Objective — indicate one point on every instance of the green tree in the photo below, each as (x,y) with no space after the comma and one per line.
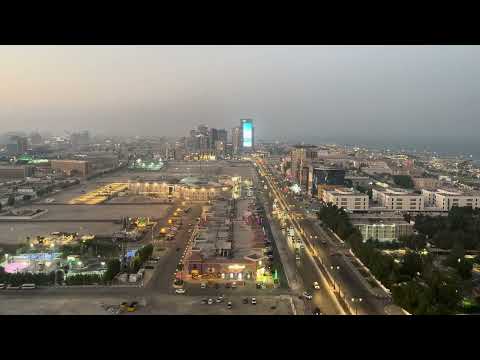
(113,268)
(404,181)
(412,264)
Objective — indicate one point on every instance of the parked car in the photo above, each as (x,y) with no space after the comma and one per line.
(149,267)
(204,301)
(2,286)
(180,291)
(234,285)
(203,285)
(12,287)
(227,285)
(132,307)
(229,305)
(316,286)
(259,286)
(245,300)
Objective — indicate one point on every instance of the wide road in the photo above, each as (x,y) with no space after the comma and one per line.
(306,271)
(163,277)
(344,279)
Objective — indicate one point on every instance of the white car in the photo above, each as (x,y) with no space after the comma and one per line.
(180,291)
(203,286)
(254,301)
(210,301)
(316,286)
(307,296)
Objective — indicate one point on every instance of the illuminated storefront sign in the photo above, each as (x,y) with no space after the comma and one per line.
(236,267)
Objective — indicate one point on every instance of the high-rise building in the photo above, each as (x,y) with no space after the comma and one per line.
(17,145)
(222,135)
(237,140)
(322,175)
(247,134)
(203,129)
(302,155)
(212,137)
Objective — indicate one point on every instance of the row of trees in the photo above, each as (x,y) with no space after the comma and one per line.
(415,284)
(17,279)
(461,226)
(85,279)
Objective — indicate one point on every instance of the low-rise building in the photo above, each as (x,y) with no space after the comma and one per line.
(381,228)
(71,167)
(16,171)
(227,244)
(445,199)
(398,199)
(346,198)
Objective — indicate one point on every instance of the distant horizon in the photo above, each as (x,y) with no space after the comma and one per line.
(290,91)
(441,145)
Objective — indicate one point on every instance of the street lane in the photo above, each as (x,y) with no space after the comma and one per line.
(350,285)
(308,271)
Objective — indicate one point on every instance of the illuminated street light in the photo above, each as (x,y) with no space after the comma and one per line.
(355,301)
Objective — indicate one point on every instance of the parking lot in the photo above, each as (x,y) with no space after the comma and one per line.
(96,304)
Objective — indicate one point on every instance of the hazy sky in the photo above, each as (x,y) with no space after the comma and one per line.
(290,91)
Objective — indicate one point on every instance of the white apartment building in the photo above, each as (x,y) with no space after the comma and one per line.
(398,199)
(347,198)
(445,199)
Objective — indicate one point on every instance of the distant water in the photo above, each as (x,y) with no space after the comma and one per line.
(467,148)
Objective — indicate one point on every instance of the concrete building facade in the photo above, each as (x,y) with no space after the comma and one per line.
(346,198)
(398,199)
(71,167)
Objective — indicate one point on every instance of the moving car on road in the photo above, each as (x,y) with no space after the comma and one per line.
(316,286)
(317,311)
(307,295)
(229,305)
(210,301)
(29,286)
(254,301)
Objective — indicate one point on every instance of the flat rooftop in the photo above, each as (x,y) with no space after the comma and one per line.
(344,191)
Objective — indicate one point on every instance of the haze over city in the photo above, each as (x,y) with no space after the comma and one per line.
(295,93)
(239,180)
